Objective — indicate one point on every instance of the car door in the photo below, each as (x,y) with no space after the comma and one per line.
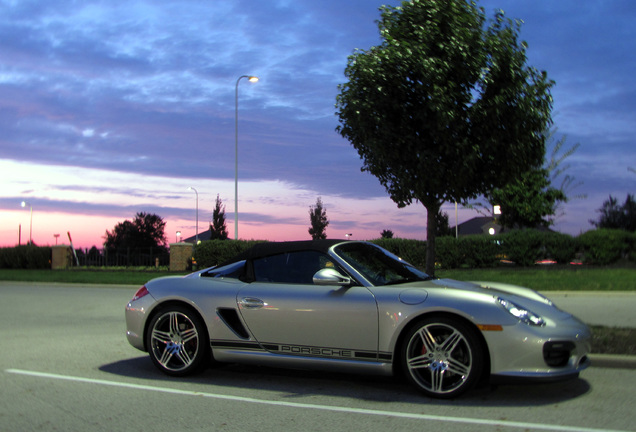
(288,314)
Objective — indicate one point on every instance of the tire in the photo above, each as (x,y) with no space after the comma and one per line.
(177,341)
(442,357)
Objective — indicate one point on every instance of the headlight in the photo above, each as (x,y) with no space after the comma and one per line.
(523,315)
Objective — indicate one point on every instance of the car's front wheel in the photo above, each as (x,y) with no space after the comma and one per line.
(442,356)
(177,341)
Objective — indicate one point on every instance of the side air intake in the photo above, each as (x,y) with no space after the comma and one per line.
(231,319)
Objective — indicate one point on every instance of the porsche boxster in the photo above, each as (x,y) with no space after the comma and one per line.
(352,306)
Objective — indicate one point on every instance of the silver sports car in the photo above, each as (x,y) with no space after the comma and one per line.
(354,307)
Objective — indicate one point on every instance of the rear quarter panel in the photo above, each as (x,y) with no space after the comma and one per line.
(205,295)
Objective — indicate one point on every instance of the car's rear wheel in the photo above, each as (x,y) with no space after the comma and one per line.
(442,356)
(177,341)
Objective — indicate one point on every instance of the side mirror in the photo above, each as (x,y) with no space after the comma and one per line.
(330,277)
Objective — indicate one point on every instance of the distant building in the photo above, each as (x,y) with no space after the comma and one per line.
(484,225)
(478,225)
(203,236)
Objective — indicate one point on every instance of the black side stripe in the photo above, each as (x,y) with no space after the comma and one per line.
(304,350)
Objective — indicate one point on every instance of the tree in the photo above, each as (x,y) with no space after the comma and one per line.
(145,231)
(218,228)
(386,234)
(531,200)
(318,219)
(443,227)
(615,216)
(557,170)
(528,201)
(445,108)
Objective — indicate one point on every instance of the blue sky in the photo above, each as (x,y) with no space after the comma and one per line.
(110,108)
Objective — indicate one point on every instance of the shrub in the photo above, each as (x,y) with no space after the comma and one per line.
(26,257)
(471,252)
(606,246)
(560,247)
(526,247)
(214,252)
(412,251)
(450,252)
(523,247)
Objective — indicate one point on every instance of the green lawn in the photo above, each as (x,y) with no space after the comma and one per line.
(111,277)
(551,278)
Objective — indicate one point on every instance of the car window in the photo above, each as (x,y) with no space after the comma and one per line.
(379,266)
(234,271)
(290,267)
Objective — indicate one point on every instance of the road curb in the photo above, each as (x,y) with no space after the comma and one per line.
(613,361)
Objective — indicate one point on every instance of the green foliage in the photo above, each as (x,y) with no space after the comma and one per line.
(560,247)
(467,252)
(528,201)
(214,252)
(218,228)
(25,257)
(386,234)
(145,231)
(443,228)
(607,246)
(444,94)
(523,247)
(615,216)
(557,169)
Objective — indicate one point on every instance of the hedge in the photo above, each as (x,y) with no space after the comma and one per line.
(214,252)
(519,247)
(523,247)
(607,246)
(25,257)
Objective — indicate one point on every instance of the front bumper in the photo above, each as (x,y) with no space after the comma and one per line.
(557,351)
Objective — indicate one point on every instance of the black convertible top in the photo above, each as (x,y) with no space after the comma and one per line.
(265,249)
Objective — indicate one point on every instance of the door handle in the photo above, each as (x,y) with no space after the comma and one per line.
(251,303)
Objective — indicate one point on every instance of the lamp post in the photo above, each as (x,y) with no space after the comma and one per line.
(196,242)
(24,204)
(178,235)
(250,79)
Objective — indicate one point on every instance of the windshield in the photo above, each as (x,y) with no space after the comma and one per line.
(379,266)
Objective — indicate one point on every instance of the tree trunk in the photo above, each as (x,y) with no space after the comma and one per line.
(431,229)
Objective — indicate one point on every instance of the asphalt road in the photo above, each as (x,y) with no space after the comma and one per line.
(65,365)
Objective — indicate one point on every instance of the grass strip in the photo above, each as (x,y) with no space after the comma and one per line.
(613,340)
(553,278)
(93,276)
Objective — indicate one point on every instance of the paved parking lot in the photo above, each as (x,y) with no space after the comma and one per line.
(65,365)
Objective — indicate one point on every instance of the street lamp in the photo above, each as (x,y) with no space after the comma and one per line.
(24,204)
(197,215)
(250,79)
(178,235)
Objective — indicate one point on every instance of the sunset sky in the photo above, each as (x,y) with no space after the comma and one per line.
(112,108)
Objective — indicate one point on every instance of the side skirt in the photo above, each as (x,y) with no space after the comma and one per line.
(303,357)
